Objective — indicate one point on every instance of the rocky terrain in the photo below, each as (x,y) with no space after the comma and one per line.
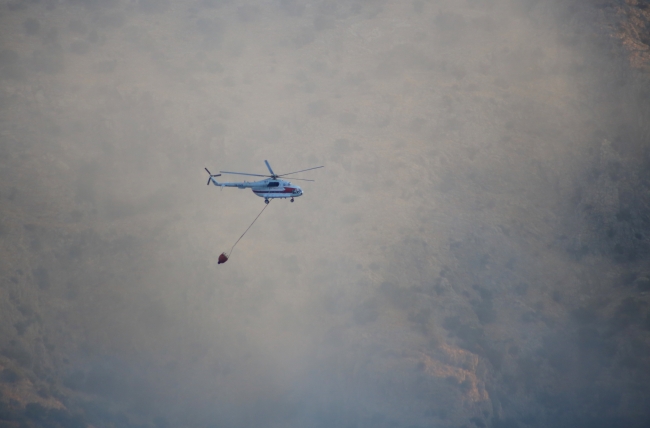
(474,253)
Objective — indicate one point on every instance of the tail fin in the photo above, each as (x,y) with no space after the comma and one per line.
(211,179)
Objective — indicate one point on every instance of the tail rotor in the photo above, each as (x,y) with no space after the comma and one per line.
(211,178)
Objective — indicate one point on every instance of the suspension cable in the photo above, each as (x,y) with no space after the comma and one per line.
(251,225)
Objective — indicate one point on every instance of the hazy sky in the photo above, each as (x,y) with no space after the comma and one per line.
(457,262)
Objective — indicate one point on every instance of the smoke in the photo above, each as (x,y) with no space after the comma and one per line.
(473,252)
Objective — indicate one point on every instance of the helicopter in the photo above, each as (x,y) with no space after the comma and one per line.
(271,188)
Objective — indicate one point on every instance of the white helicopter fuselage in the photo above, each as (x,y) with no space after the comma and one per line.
(267,189)
(273,187)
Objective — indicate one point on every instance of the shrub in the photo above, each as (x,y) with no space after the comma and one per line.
(9,376)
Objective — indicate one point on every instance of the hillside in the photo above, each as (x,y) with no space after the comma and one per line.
(474,253)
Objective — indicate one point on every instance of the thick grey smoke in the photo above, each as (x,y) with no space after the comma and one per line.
(474,253)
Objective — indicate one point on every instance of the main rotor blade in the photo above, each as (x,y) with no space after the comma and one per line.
(244,173)
(269,167)
(301,179)
(302,170)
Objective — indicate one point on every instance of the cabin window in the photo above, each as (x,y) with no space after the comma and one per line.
(273,184)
